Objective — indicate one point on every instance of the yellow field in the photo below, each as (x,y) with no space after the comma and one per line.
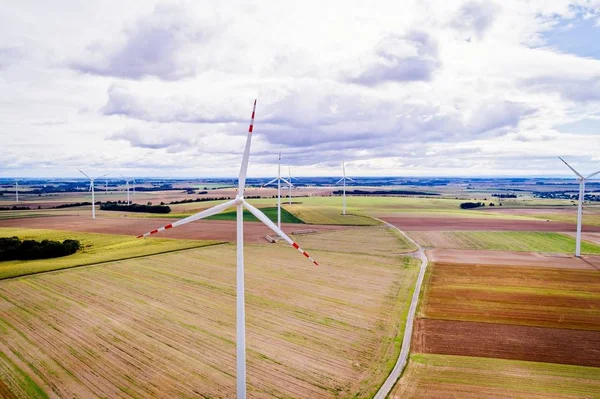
(164,325)
(96,248)
(444,376)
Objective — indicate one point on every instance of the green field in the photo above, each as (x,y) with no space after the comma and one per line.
(502,240)
(96,248)
(435,376)
(270,212)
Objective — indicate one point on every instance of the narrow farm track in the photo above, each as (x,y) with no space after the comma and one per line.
(389,383)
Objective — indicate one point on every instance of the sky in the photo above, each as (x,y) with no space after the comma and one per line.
(393,88)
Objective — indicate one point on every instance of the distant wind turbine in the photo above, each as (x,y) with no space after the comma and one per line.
(240,204)
(343,180)
(17,191)
(580,205)
(278,179)
(92,190)
(127,180)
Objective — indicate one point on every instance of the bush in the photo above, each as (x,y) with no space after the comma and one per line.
(114,206)
(471,205)
(12,248)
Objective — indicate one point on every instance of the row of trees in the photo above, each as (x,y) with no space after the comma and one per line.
(13,248)
(114,206)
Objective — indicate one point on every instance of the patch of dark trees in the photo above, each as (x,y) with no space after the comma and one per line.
(203,199)
(74,204)
(115,206)
(14,208)
(504,195)
(471,205)
(13,248)
(568,195)
(383,192)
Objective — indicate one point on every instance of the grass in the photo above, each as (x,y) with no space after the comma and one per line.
(543,297)
(96,248)
(164,326)
(503,240)
(430,375)
(322,214)
(270,212)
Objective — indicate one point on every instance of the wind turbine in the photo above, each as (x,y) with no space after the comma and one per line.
(580,205)
(343,179)
(240,204)
(17,190)
(92,190)
(278,179)
(127,180)
(290,185)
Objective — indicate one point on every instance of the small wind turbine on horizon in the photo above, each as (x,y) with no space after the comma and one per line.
(343,180)
(278,179)
(17,191)
(127,180)
(290,185)
(240,203)
(581,180)
(92,190)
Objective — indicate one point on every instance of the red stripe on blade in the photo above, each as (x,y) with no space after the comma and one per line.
(139,236)
(168,226)
(154,232)
(305,254)
(250,129)
(295,245)
(315,262)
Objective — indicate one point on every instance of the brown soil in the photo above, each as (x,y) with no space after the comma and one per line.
(200,230)
(553,345)
(483,224)
(507,258)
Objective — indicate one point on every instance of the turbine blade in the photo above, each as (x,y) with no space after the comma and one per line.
(341,180)
(244,166)
(200,215)
(287,182)
(84,174)
(593,174)
(344,168)
(271,182)
(574,171)
(91,184)
(347,178)
(106,174)
(263,218)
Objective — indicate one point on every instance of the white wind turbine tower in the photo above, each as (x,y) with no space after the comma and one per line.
(278,179)
(343,180)
(17,191)
(92,190)
(580,205)
(240,204)
(127,180)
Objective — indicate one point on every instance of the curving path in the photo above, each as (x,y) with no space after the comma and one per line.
(387,386)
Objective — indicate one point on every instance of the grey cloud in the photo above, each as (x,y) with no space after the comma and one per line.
(139,140)
(579,90)
(475,17)
(151,47)
(8,56)
(164,109)
(412,57)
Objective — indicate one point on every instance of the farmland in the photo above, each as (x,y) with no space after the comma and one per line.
(164,325)
(561,298)
(445,376)
(502,240)
(96,248)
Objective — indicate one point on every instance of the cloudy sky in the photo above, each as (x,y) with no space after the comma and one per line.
(409,88)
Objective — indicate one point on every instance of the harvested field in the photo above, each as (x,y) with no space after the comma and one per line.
(328,215)
(480,224)
(164,325)
(568,214)
(507,258)
(502,240)
(366,240)
(549,297)
(96,248)
(445,376)
(539,344)
(589,237)
(200,230)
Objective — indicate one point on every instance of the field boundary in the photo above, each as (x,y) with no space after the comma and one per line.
(110,261)
(396,372)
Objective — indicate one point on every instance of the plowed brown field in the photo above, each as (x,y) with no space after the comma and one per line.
(474,224)
(201,230)
(164,325)
(553,345)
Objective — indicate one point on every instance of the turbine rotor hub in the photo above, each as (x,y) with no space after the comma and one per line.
(239,200)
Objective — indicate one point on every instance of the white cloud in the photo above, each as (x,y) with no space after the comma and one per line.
(420,87)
